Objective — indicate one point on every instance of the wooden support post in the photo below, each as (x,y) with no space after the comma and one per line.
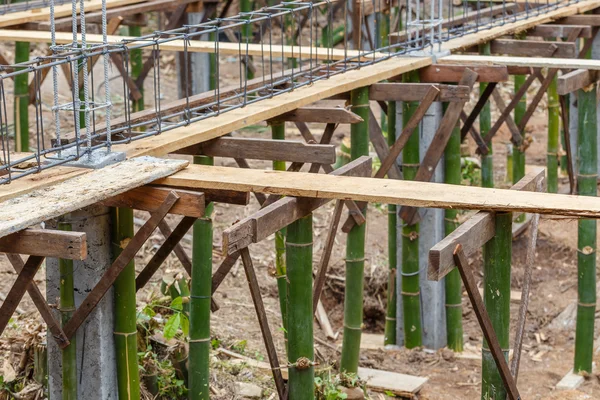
(150,198)
(440,73)
(575,80)
(323,115)
(560,31)
(417,92)
(533,48)
(47,243)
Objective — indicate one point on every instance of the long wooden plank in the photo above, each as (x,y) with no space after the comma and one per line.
(63,10)
(589,20)
(533,48)
(560,31)
(266,109)
(389,191)
(323,115)
(149,198)
(575,80)
(539,62)
(264,149)
(47,243)
(485,35)
(453,73)
(416,92)
(40,205)
(197,46)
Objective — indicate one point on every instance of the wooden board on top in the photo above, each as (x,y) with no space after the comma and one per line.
(389,191)
(46,203)
(63,10)
(540,62)
(386,381)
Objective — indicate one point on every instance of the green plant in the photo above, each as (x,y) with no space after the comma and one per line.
(470,172)
(329,386)
(168,386)
(178,320)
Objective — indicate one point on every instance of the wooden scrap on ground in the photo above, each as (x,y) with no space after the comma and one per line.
(398,384)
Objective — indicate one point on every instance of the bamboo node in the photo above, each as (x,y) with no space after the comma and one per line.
(303,363)
(403,293)
(298,244)
(413,235)
(587,250)
(390,318)
(586,304)
(126,334)
(203,340)
(457,305)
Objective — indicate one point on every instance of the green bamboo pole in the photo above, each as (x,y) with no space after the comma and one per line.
(587,177)
(519,153)
(411,301)
(389,336)
(125,334)
(453,282)
(299,251)
(355,245)
(289,27)
(553,134)
(496,276)
(485,124)
(563,157)
(382,26)
(21,93)
(278,133)
(246,34)
(199,361)
(137,63)
(67,307)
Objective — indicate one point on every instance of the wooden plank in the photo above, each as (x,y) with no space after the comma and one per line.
(388,191)
(533,48)
(453,73)
(220,196)
(381,148)
(264,149)
(571,381)
(435,151)
(63,10)
(128,252)
(266,109)
(560,31)
(97,185)
(393,382)
(150,198)
(485,35)
(47,243)
(323,115)
(283,212)
(416,92)
(196,46)
(472,234)
(575,80)
(589,20)
(536,62)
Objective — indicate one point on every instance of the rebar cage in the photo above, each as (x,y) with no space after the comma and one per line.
(290,45)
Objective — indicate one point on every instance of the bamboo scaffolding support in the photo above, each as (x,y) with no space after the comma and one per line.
(67,307)
(553,135)
(355,245)
(390,318)
(21,96)
(485,124)
(137,63)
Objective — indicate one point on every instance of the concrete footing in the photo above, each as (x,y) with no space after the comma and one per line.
(95,347)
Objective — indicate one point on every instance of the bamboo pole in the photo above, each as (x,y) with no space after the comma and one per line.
(299,251)
(390,318)
(553,133)
(485,124)
(519,151)
(496,276)
(247,6)
(452,175)
(587,176)
(199,353)
(355,245)
(411,300)
(67,307)
(125,334)
(278,133)
(21,93)
(137,64)
(563,156)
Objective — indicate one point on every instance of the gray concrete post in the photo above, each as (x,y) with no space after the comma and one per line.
(96,368)
(433,311)
(198,79)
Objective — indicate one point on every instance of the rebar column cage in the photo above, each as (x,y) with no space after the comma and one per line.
(58,139)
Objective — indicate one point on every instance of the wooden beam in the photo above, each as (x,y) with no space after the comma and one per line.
(472,234)
(283,212)
(588,20)
(84,190)
(150,198)
(416,92)
(47,243)
(453,73)
(526,62)
(533,48)
(324,115)
(575,80)
(264,149)
(560,31)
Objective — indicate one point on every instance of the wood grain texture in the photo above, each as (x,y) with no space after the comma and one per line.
(94,186)
(149,198)
(533,48)
(560,31)
(416,92)
(575,80)
(47,243)
(539,62)
(453,73)
(323,115)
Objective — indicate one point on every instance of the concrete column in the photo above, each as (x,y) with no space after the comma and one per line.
(433,312)
(95,345)
(198,79)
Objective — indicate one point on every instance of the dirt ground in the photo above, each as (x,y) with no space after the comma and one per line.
(549,339)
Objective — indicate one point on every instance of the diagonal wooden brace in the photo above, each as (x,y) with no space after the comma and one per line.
(468,123)
(564,113)
(263,322)
(516,137)
(179,251)
(18,289)
(537,98)
(438,144)
(113,272)
(485,323)
(220,275)
(40,303)
(163,252)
